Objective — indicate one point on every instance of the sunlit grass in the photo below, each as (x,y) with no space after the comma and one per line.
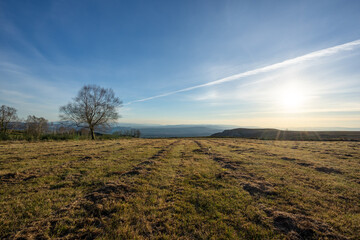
(179,188)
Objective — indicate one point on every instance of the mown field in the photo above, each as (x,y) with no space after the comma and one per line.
(180,189)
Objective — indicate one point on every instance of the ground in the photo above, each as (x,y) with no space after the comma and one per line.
(180,189)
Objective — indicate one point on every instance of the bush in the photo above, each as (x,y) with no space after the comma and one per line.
(23,135)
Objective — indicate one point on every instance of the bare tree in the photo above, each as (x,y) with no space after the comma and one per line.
(93,107)
(7,115)
(36,125)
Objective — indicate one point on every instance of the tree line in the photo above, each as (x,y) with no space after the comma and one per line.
(91,112)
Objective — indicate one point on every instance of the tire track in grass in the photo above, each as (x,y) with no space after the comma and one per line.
(144,165)
(23,176)
(294,226)
(161,177)
(143,181)
(198,203)
(295,160)
(94,205)
(250,182)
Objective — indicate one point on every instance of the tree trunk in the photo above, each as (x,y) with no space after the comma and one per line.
(92,133)
(2,127)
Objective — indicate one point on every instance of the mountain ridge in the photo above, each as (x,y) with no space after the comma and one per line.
(276,134)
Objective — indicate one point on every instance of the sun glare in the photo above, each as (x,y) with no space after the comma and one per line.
(291,98)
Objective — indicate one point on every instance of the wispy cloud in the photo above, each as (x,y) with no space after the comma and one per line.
(307,57)
(9,29)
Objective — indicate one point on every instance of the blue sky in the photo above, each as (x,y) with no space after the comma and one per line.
(143,49)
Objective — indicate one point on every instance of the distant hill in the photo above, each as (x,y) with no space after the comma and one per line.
(178,132)
(275,134)
(147,130)
(181,131)
(162,131)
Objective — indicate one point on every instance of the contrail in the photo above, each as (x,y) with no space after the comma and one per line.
(307,57)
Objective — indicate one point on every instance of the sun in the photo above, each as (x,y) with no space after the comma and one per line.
(291,98)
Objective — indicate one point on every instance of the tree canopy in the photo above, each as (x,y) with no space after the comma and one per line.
(7,115)
(93,107)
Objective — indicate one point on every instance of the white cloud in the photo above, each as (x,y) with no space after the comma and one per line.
(307,57)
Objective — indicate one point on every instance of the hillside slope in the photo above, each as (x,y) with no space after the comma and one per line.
(275,134)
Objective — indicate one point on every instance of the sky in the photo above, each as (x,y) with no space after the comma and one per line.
(281,64)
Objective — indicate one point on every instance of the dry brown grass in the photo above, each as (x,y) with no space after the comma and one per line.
(180,188)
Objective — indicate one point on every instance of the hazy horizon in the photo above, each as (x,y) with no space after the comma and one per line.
(288,65)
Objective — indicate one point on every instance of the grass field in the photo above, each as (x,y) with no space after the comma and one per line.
(180,189)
